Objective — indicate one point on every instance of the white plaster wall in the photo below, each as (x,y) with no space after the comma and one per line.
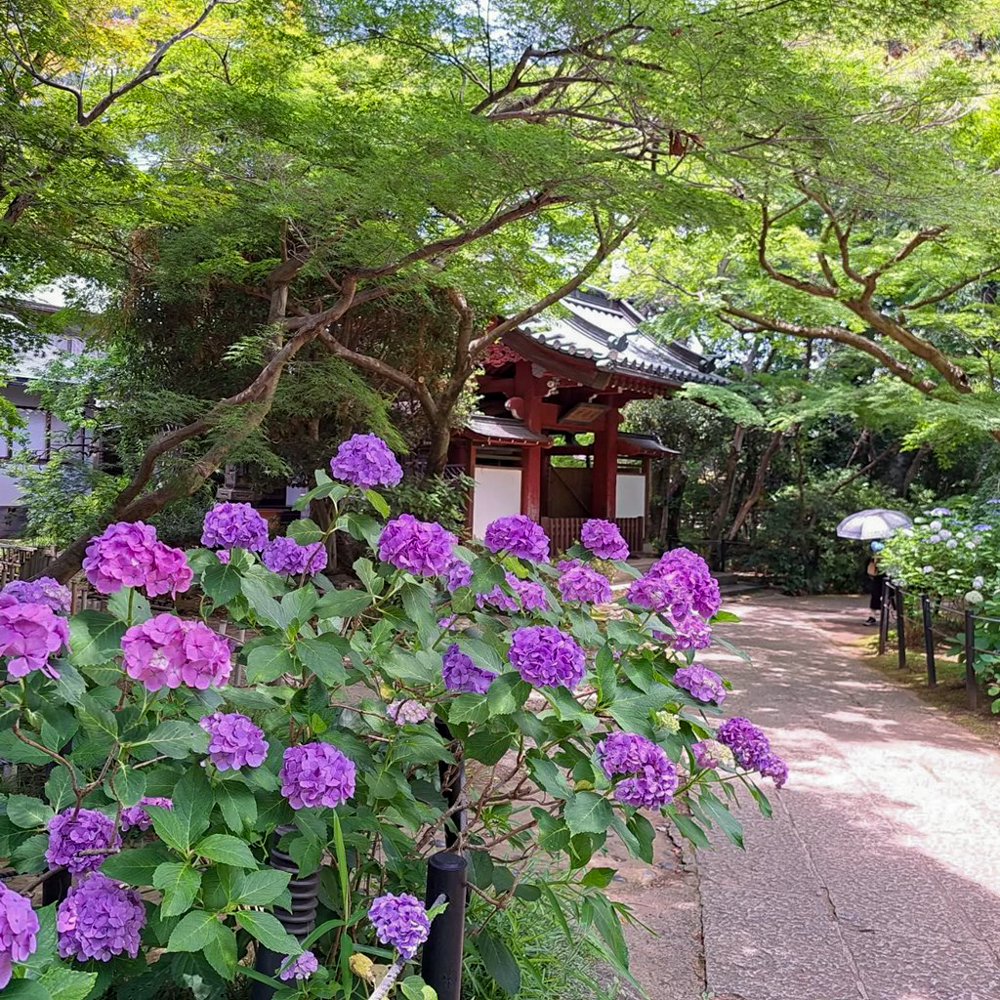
(630,494)
(498,494)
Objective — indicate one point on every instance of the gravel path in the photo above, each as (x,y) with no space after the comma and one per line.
(879,876)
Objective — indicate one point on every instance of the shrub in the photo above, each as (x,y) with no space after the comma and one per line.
(170,782)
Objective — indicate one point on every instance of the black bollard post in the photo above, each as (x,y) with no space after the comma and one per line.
(299,921)
(883,619)
(901,627)
(56,888)
(971,684)
(452,783)
(442,961)
(925,607)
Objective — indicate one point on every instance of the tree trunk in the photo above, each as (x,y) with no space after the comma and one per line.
(437,451)
(757,490)
(673,509)
(728,484)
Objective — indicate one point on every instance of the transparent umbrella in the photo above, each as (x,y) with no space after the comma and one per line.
(874,523)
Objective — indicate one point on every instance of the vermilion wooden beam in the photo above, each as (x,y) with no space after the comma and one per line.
(527,389)
(604,480)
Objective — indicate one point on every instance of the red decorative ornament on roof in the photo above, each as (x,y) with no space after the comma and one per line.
(499,356)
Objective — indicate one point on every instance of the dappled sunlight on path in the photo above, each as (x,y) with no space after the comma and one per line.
(878,877)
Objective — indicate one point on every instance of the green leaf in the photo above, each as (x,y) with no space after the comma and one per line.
(180,884)
(58,727)
(507,694)
(265,606)
(343,604)
(598,877)
(27,812)
(27,989)
(126,786)
(305,531)
(588,812)
(67,984)
(266,929)
(549,776)
(469,708)
(488,748)
(220,950)
(94,637)
(414,988)
(688,828)
(499,962)
(136,866)
(70,686)
(16,752)
(221,582)
(267,662)
(59,789)
(264,886)
(192,932)
(227,850)
(324,656)
(378,502)
(118,605)
(193,801)
(96,717)
(178,739)
(238,805)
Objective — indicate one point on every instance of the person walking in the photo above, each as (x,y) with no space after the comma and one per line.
(877,578)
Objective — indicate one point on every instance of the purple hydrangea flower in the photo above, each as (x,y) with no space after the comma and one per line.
(686,570)
(626,753)
(223,556)
(546,656)
(981,527)
(458,573)
(165,651)
(366,460)
(461,674)
(136,816)
(129,555)
(423,548)
(408,712)
(702,683)
(604,539)
(29,635)
(520,536)
(316,774)
(44,590)
(99,919)
(690,632)
(400,921)
(774,767)
(284,555)
(660,594)
(712,754)
(582,583)
(234,525)
(750,746)
(940,512)
(565,565)
(70,836)
(302,966)
(651,776)
(652,788)
(18,927)
(233,741)
(527,595)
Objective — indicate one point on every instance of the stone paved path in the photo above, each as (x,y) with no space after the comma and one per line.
(879,877)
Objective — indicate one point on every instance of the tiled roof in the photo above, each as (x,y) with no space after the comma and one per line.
(503,429)
(606,330)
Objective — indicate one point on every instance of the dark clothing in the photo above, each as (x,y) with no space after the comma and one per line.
(878,586)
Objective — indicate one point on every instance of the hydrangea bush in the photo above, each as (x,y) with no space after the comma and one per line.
(174,759)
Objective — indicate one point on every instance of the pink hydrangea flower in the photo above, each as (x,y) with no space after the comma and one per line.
(423,548)
(29,635)
(165,651)
(44,590)
(18,930)
(406,712)
(129,555)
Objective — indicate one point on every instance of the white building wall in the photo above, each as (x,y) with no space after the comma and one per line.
(630,495)
(497,494)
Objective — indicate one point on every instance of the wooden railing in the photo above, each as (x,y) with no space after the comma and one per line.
(564,531)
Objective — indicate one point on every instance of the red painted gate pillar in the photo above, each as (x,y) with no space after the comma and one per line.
(604,478)
(527,388)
